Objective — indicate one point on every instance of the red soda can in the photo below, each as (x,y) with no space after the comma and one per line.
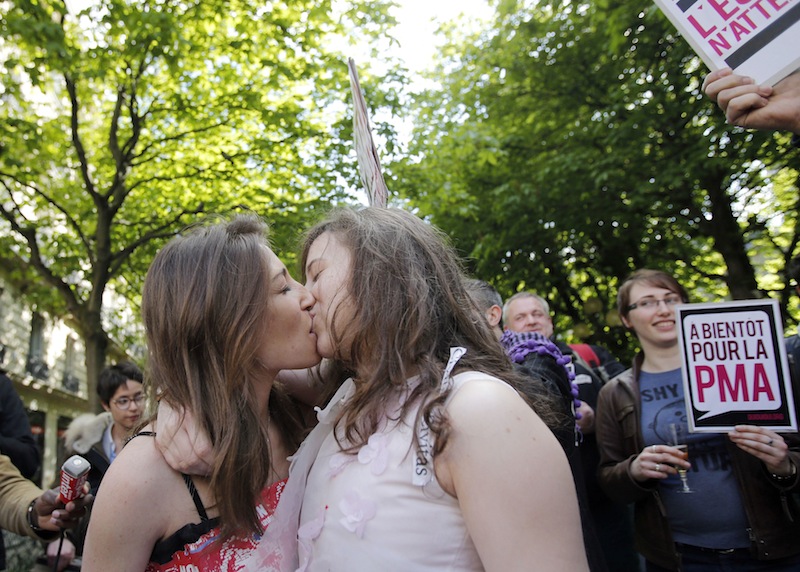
(74,472)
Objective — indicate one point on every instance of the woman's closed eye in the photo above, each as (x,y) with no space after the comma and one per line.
(312,274)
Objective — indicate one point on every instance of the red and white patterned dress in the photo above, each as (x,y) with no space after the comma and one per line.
(195,547)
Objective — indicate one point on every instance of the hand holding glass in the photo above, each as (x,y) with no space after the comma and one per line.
(678,433)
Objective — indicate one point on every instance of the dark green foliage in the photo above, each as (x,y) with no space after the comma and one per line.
(572,145)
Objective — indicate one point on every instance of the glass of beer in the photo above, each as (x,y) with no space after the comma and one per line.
(678,433)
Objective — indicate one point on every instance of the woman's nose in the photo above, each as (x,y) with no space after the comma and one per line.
(307,299)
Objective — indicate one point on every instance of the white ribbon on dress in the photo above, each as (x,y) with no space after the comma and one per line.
(423,463)
(277,550)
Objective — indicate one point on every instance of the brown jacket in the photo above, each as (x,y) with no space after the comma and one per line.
(16,493)
(771,508)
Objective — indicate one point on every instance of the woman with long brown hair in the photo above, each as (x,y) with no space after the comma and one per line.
(733,510)
(222,316)
(427,458)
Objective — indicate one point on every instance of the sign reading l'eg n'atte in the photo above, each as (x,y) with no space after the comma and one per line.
(735,369)
(756,38)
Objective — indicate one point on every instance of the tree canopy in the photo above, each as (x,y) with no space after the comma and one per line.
(571,144)
(124,120)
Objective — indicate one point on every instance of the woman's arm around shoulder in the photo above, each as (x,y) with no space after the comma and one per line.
(131,512)
(512,482)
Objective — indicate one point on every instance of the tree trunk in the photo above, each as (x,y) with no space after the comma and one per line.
(729,242)
(96,349)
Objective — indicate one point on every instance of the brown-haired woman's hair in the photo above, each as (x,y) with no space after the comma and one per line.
(655,278)
(204,308)
(411,306)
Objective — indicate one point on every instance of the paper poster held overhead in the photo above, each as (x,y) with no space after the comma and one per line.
(369,165)
(756,38)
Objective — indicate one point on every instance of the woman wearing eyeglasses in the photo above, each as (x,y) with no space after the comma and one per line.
(739,514)
(98,438)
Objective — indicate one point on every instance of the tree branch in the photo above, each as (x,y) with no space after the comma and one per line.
(36,261)
(71,222)
(163,230)
(76,139)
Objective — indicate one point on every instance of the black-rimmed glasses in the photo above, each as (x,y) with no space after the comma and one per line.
(125,402)
(652,303)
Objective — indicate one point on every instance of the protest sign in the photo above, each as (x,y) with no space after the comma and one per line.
(735,369)
(757,38)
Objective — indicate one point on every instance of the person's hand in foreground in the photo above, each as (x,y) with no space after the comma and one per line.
(185,447)
(754,106)
(51,514)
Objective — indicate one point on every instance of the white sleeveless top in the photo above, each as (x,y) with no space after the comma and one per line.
(365,512)
(381,509)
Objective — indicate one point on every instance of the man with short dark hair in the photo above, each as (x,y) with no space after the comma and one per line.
(99,438)
(489,301)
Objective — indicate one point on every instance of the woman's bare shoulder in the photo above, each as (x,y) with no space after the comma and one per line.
(140,472)
(476,391)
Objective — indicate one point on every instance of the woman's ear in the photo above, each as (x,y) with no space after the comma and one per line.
(625,322)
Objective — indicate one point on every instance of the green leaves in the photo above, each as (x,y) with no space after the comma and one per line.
(128,120)
(572,145)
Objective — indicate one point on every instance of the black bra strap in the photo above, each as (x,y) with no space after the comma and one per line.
(201,510)
(140,434)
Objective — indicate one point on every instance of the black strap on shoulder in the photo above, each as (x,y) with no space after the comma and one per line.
(201,510)
(140,434)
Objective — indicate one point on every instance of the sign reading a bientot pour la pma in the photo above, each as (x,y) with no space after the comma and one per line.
(735,369)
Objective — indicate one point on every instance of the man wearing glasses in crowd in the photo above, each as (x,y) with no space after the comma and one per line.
(99,438)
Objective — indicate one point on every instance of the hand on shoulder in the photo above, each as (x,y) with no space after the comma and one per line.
(184,445)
